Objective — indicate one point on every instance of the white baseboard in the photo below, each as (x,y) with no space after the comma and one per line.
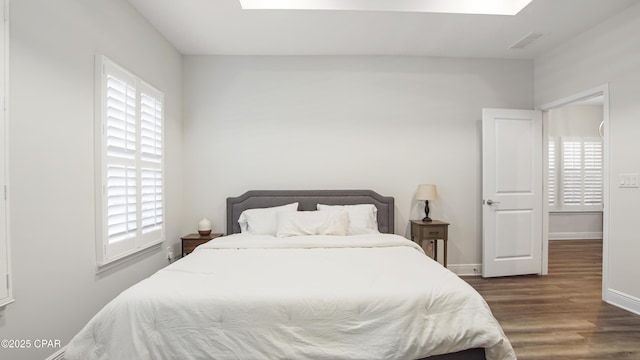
(575,235)
(466,269)
(58,355)
(624,301)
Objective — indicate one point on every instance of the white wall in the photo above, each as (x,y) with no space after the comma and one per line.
(575,225)
(580,121)
(380,123)
(575,120)
(609,53)
(53,44)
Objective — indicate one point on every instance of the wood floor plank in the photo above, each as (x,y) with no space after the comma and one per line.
(561,315)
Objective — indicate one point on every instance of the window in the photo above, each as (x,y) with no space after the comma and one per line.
(575,174)
(130,139)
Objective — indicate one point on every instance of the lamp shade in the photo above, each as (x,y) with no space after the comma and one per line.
(427,192)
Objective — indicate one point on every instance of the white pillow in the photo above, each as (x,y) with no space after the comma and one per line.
(312,223)
(363,218)
(263,221)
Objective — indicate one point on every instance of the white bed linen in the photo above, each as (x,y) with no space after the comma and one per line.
(373,296)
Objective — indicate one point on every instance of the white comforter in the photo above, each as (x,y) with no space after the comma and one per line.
(312,297)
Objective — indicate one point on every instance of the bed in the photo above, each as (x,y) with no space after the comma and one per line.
(342,290)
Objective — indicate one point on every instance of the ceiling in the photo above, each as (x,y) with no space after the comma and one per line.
(221,27)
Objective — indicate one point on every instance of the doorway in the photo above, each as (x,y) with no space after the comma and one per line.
(566,208)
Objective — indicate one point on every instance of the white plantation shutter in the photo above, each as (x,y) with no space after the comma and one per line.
(130,214)
(151,160)
(151,127)
(571,172)
(552,175)
(593,175)
(151,199)
(580,174)
(121,116)
(120,134)
(122,223)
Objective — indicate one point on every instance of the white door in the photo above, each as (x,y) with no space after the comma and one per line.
(511,192)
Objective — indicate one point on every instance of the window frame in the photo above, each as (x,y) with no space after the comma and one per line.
(140,240)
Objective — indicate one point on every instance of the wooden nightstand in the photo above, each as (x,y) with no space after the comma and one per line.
(189,242)
(430,230)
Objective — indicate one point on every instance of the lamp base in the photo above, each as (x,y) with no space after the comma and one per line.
(426,212)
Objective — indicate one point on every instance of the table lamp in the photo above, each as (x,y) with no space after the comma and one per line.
(204,227)
(426,192)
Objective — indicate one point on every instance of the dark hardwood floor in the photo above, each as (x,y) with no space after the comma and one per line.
(561,315)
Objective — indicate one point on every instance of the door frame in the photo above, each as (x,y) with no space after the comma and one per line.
(602,90)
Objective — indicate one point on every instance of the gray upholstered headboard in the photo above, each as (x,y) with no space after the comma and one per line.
(308,199)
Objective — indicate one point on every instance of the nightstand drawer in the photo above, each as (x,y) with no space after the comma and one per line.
(433,233)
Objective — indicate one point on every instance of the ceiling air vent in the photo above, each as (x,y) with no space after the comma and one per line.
(526,41)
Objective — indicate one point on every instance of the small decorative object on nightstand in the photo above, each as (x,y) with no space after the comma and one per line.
(426,192)
(204,227)
(191,241)
(433,230)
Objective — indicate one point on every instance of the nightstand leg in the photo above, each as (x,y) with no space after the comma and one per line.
(435,250)
(445,253)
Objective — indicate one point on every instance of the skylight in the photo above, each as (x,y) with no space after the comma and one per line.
(483,7)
